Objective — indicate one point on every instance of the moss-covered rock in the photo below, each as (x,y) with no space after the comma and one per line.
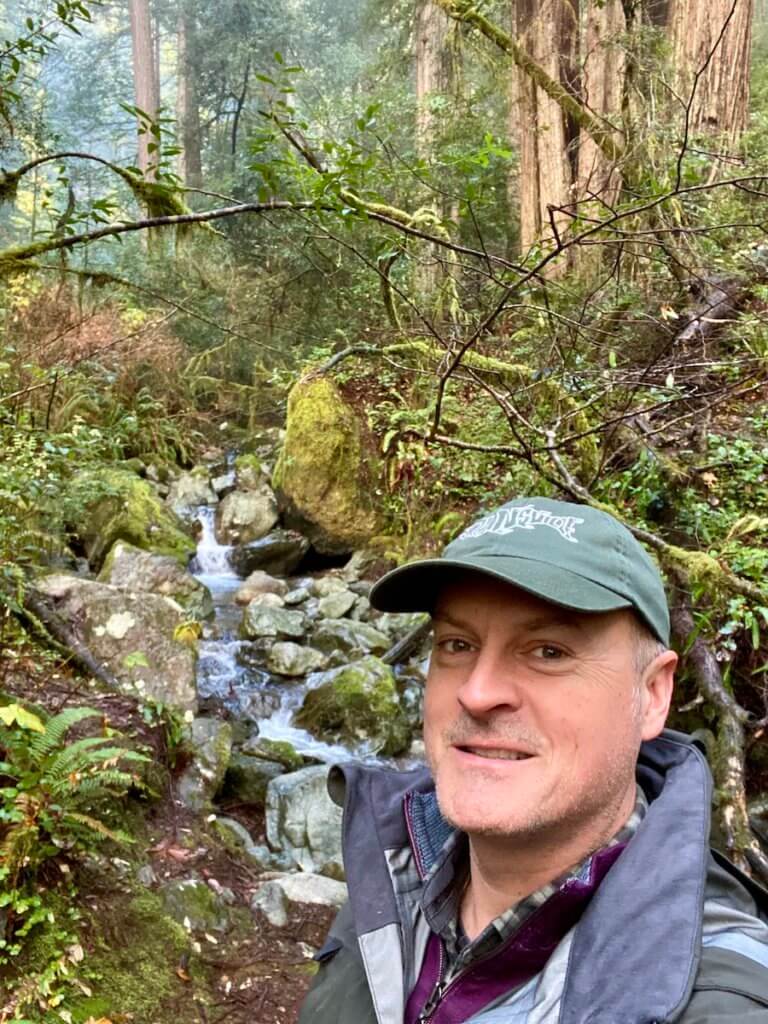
(275,750)
(357,704)
(193,904)
(117,505)
(323,474)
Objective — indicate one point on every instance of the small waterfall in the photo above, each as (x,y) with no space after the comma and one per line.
(227,674)
(212,558)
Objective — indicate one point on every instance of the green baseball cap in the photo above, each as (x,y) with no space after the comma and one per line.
(572,555)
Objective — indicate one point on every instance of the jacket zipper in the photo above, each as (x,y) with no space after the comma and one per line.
(436,994)
(441,989)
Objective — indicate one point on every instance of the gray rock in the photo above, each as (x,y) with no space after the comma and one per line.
(297,596)
(223,484)
(260,621)
(280,553)
(190,490)
(336,606)
(349,637)
(195,905)
(272,898)
(237,839)
(322,586)
(361,563)
(266,601)
(245,516)
(137,637)
(247,777)
(361,610)
(289,659)
(303,822)
(260,582)
(129,568)
(146,876)
(211,742)
(398,624)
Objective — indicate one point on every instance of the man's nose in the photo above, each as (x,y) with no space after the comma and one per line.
(491,685)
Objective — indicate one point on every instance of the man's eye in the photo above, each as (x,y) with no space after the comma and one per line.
(548,652)
(452,645)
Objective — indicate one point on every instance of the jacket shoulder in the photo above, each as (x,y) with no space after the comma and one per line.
(729,988)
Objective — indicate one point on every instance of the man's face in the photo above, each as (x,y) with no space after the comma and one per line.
(534,714)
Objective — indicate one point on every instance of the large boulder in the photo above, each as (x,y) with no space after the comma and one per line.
(355,704)
(243,516)
(129,568)
(115,504)
(303,823)
(210,741)
(140,638)
(279,553)
(324,474)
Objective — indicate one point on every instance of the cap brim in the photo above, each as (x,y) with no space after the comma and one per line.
(415,587)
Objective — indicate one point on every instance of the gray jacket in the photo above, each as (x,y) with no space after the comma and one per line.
(673,933)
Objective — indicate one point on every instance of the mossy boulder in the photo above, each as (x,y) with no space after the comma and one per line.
(324,472)
(117,505)
(357,704)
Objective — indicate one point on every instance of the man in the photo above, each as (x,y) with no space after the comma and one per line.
(552,866)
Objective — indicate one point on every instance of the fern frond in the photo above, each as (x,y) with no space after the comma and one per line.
(98,827)
(55,729)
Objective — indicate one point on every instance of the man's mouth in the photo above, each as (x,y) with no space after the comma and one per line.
(495,753)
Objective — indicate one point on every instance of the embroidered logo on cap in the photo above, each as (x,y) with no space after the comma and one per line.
(523,517)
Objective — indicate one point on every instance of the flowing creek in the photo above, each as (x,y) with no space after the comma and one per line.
(229,669)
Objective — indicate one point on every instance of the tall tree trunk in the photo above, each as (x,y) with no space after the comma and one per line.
(602,87)
(187,110)
(145,83)
(434,77)
(548,30)
(711,53)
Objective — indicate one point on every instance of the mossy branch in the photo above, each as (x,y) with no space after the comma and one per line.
(159,199)
(600,133)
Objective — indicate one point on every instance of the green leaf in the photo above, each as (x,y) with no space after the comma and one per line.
(15,714)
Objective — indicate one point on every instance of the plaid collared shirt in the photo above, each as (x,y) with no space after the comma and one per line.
(460,951)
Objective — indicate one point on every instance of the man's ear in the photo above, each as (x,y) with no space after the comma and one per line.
(656,686)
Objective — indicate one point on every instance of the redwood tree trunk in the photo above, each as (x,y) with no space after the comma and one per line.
(711,54)
(187,110)
(602,85)
(145,83)
(548,30)
(434,77)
